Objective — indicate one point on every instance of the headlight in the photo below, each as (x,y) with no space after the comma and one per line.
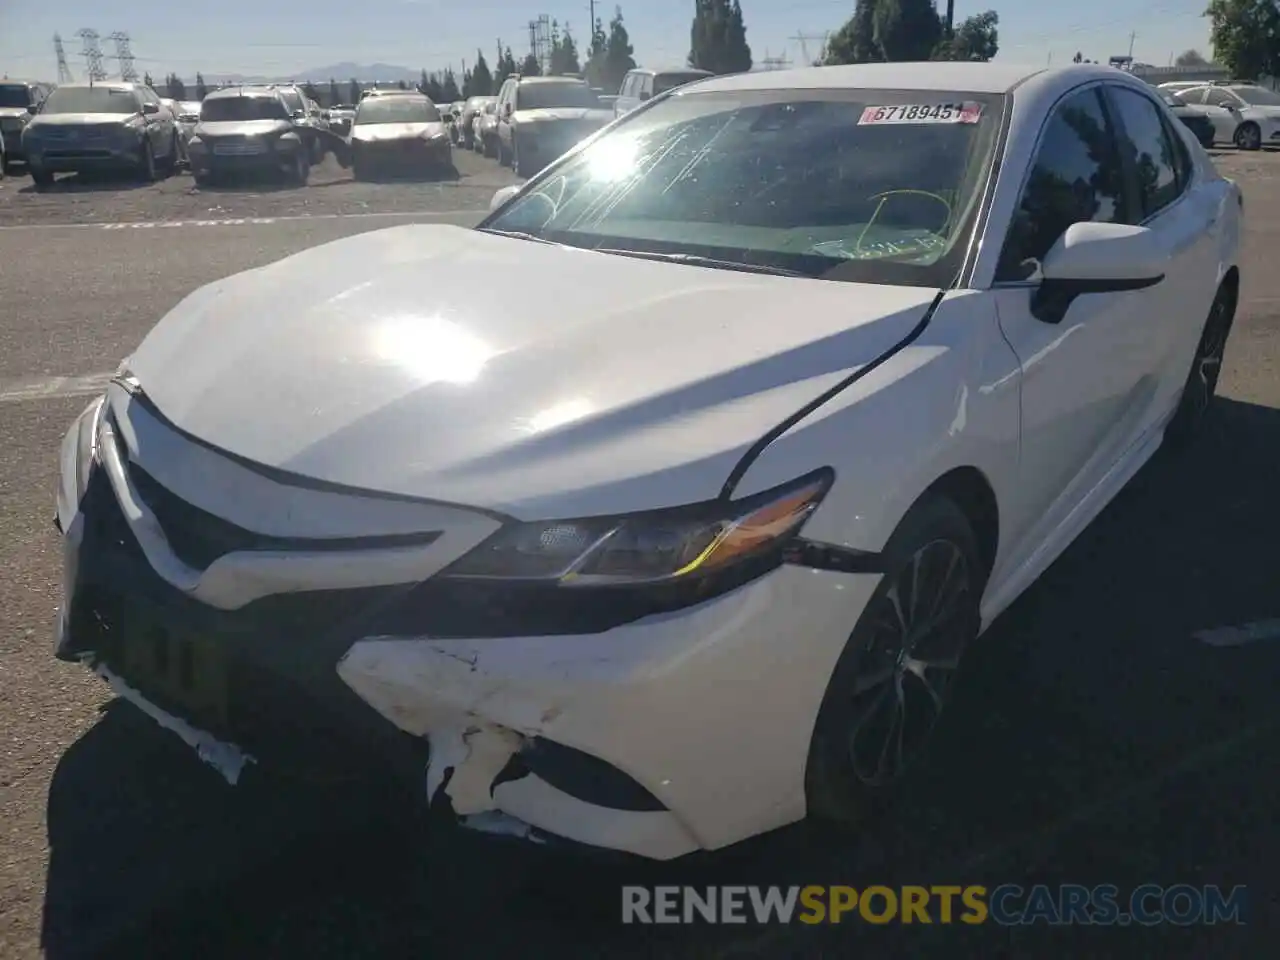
(669,546)
(79,453)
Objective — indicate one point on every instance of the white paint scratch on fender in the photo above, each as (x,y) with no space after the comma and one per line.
(476,755)
(228,759)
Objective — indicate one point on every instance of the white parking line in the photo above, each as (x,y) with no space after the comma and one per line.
(1239,636)
(252,221)
(18,391)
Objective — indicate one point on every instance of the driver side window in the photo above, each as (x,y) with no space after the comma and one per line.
(1076,178)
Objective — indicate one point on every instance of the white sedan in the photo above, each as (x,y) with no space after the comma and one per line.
(807,376)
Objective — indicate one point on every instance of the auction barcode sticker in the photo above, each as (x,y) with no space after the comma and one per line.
(968,112)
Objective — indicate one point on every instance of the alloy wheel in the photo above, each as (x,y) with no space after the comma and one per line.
(1202,385)
(1249,137)
(919,629)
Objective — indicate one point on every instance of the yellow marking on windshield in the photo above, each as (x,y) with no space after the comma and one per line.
(884,198)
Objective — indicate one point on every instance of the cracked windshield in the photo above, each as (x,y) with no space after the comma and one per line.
(682,479)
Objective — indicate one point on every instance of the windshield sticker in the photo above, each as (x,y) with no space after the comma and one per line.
(968,112)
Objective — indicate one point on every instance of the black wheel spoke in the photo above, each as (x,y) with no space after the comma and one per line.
(916,636)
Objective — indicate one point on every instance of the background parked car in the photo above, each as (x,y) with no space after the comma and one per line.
(1241,113)
(540,118)
(340,117)
(249,129)
(486,128)
(644,84)
(19,101)
(403,134)
(1194,118)
(103,126)
(471,109)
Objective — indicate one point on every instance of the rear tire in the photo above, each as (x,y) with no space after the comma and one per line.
(1249,136)
(899,663)
(1201,388)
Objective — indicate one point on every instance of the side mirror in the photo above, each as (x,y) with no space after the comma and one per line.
(645,95)
(503,195)
(150,109)
(1096,258)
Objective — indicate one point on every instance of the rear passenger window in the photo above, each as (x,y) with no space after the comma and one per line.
(1076,178)
(1148,146)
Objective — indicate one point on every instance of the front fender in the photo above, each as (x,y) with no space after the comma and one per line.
(946,401)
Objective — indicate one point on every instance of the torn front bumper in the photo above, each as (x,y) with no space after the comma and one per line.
(677,732)
(285,708)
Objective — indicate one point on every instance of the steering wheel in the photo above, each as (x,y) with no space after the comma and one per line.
(884,197)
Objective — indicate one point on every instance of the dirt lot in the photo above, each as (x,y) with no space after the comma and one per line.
(331,192)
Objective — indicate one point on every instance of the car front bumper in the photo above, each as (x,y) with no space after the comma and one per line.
(669,734)
(66,158)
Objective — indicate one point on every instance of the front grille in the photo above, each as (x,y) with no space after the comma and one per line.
(199,538)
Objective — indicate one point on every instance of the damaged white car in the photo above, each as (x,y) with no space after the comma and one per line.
(792,383)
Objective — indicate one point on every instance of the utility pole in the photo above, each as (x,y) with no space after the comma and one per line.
(1133,36)
(951,18)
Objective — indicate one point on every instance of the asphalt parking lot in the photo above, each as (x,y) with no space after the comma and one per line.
(1096,737)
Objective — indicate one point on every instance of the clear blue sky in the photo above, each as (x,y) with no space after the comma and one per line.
(279,37)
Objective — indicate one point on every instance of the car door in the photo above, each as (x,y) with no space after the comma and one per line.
(1223,111)
(1086,380)
(1184,214)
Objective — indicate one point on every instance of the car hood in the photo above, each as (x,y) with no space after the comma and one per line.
(374,132)
(562,114)
(584,383)
(240,128)
(78,119)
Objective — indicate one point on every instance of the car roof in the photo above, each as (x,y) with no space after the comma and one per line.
(549,79)
(974,77)
(227,93)
(656,71)
(118,86)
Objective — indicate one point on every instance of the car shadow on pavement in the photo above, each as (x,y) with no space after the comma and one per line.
(1092,739)
(375,175)
(94,183)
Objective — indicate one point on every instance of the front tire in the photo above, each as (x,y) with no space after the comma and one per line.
(1201,388)
(147,164)
(42,178)
(301,171)
(898,666)
(1249,136)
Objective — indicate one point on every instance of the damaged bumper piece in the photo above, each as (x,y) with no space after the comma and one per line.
(655,734)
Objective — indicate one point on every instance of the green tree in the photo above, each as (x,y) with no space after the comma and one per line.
(529,66)
(718,37)
(509,65)
(146,78)
(311,92)
(907,30)
(177,90)
(1190,58)
(1246,36)
(402,85)
(619,55)
(353,90)
(435,89)
(202,90)
(481,78)
(564,54)
(976,38)
(335,97)
(449,86)
(855,42)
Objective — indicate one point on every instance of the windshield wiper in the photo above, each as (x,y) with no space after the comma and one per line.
(516,235)
(693,260)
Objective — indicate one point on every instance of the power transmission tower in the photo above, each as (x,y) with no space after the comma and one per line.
(124,57)
(804,39)
(92,54)
(64,71)
(540,41)
(775,63)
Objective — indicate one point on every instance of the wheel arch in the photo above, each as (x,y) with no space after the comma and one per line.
(970,490)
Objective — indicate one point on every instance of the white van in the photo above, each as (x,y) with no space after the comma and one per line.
(640,85)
